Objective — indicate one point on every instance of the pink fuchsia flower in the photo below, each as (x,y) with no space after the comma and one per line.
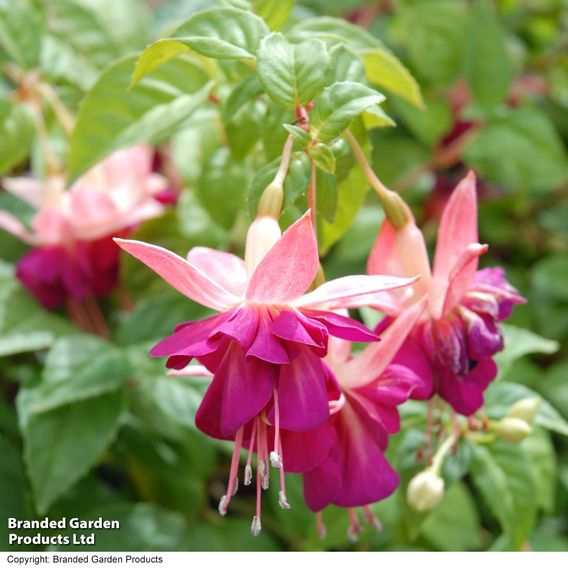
(452,345)
(355,472)
(73,254)
(266,346)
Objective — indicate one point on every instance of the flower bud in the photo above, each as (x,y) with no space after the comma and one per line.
(425,491)
(525,409)
(512,430)
(396,209)
(262,235)
(271,199)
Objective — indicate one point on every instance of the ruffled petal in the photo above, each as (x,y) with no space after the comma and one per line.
(295,327)
(465,393)
(322,484)
(342,326)
(182,275)
(288,268)
(413,357)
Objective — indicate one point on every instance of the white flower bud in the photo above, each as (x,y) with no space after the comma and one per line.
(262,235)
(513,430)
(525,409)
(425,491)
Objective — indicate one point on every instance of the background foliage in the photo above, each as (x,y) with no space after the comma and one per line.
(91,427)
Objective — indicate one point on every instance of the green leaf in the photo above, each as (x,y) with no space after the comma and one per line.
(222,186)
(111,117)
(292,75)
(338,105)
(433,33)
(63,444)
(96,32)
(324,157)
(352,192)
(454,525)
(273,133)
(16,132)
(14,501)
(487,64)
(333,31)
(246,90)
(220,33)
(302,136)
(542,456)
(503,475)
(326,195)
(24,325)
(78,368)
(520,149)
(346,65)
(20,32)
(520,342)
(274,12)
(376,117)
(386,71)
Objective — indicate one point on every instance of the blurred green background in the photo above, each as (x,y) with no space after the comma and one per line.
(494,77)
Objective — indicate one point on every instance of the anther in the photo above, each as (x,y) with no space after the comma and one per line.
(282,501)
(248,474)
(256,527)
(265,480)
(275,460)
(223,506)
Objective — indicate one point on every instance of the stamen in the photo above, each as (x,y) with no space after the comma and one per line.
(248,467)
(262,455)
(320,526)
(233,479)
(354,526)
(336,405)
(371,519)
(256,527)
(282,501)
(275,459)
(223,506)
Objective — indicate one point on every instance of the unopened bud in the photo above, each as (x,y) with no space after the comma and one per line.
(425,491)
(525,409)
(512,430)
(396,209)
(262,235)
(270,202)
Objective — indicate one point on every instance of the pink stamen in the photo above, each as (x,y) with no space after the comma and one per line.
(320,526)
(276,454)
(354,526)
(282,501)
(233,480)
(336,405)
(371,519)
(248,467)
(256,526)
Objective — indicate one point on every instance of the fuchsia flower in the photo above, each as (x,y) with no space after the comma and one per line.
(355,472)
(266,346)
(452,345)
(73,254)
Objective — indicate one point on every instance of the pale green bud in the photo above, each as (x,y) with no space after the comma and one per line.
(525,409)
(512,430)
(425,491)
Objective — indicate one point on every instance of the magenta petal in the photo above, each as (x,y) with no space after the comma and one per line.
(322,484)
(247,388)
(412,357)
(367,475)
(190,338)
(241,326)
(267,347)
(293,326)
(342,326)
(465,394)
(303,451)
(484,338)
(208,416)
(302,393)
